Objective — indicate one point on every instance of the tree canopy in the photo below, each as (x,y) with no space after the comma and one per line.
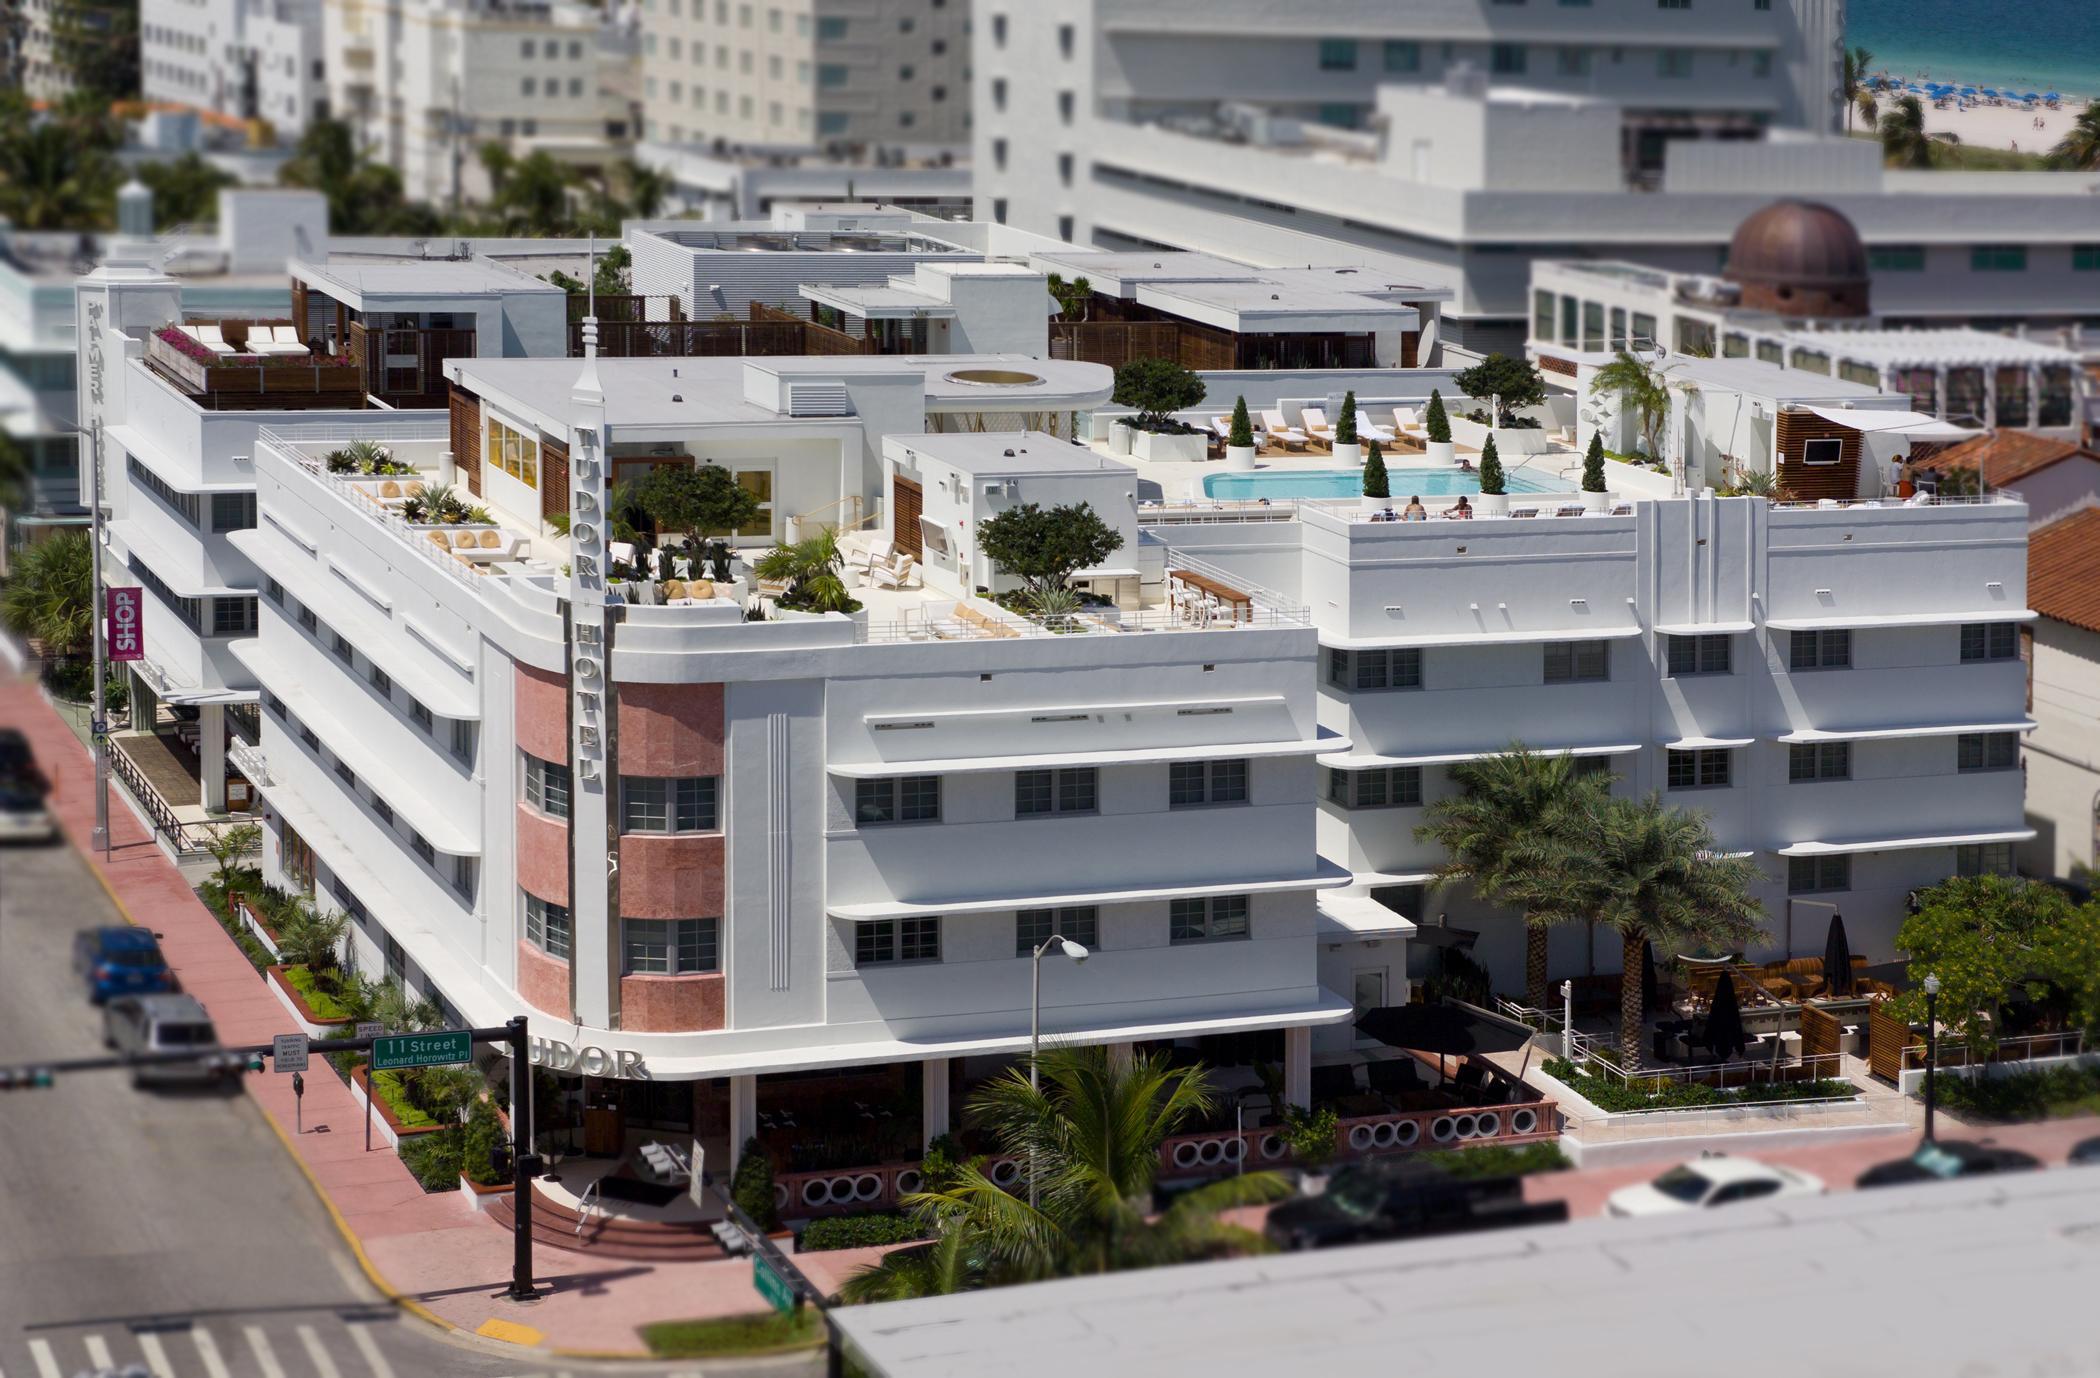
(704,499)
(1043,547)
(49,594)
(1996,939)
(1514,381)
(1157,388)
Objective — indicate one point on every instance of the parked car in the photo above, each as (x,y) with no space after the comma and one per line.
(120,961)
(17,762)
(165,1024)
(1945,1160)
(2084,1153)
(1715,1180)
(23,817)
(1404,1199)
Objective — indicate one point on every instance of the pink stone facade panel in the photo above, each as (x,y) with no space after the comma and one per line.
(671,1004)
(543,855)
(671,877)
(543,714)
(543,981)
(671,729)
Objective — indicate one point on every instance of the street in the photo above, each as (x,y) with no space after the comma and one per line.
(169,1229)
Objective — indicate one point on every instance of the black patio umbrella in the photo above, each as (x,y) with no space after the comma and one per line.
(1724,1020)
(1649,996)
(1450,1027)
(1837,958)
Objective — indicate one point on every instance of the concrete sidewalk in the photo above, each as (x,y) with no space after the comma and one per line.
(431,1252)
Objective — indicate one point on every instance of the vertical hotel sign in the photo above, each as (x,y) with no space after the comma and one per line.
(125,636)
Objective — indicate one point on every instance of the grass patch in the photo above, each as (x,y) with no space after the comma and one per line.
(763,1333)
(1499,1160)
(2050,1094)
(322,1003)
(1656,1093)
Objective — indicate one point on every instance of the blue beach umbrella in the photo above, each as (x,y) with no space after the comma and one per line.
(2052,96)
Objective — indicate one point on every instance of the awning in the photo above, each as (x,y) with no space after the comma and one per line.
(1449,1027)
(1906,844)
(1325,876)
(1482,637)
(1366,761)
(1873,620)
(1350,915)
(1104,756)
(1444,936)
(1915,424)
(1865,734)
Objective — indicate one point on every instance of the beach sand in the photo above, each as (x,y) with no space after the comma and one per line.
(1999,126)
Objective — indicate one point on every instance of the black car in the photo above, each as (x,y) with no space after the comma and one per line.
(1404,1199)
(1946,1160)
(2085,1153)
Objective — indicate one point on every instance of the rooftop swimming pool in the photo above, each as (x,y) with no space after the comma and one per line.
(1349,483)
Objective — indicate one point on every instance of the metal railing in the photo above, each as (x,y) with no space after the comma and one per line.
(2027,1047)
(930,627)
(1722,1075)
(187,839)
(586,1204)
(1742,1110)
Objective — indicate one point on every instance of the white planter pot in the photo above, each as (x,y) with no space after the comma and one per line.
(1492,504)
(1240,458)
(1596,502)
(1442,451)
(1161,447)
(1372,504)
(1119,437)
(1348,454)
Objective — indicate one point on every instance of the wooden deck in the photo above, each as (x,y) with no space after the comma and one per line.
(168,765)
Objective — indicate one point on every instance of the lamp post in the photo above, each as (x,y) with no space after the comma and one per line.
(1932,1044)
(1035,1026)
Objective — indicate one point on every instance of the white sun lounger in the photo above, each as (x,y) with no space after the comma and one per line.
(1281,431)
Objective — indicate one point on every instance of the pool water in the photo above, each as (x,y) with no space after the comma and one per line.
(1349,483)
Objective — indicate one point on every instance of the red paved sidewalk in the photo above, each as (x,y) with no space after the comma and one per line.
(431,1249)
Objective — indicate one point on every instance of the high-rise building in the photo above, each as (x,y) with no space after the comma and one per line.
(234,58)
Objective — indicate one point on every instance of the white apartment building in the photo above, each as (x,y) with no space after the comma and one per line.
(789,75)
(240,59)
(426,83)
(747,185)
(1462,141)
(2062,650)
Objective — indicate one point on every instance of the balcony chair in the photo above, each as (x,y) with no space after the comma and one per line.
(894,575)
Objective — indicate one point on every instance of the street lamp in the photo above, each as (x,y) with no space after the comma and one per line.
(98,724)
(1932,1044)
(1035,1025)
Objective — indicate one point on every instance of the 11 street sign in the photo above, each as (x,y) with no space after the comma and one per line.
(421,1050)
(771,1285)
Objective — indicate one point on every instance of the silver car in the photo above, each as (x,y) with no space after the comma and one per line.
(166,1024)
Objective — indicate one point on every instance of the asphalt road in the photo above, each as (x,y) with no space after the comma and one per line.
(169,1230)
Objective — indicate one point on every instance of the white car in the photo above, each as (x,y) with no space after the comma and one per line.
(1715,1180)
(23,817)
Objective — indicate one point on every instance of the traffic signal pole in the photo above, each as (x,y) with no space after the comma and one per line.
(524,1165)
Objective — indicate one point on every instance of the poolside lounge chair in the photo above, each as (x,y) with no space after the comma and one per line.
(1408,422)
(210,336)
(1368,430)
(1316,426)
(1282,432)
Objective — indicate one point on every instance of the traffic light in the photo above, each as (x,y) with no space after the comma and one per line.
(255,1062)
(25,1079)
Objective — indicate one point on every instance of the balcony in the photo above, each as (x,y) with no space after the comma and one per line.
(248,380)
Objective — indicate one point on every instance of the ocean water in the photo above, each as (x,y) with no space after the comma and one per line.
(1349,483)
(2032,45)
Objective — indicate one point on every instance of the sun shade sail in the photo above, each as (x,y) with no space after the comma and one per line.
(1911,423)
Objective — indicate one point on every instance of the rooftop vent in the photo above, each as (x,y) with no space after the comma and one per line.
(818,399)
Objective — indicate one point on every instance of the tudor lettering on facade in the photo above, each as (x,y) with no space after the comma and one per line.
(556,1056)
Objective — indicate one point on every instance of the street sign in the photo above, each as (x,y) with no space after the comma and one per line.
(288,1052)
(771,1285)
(126,634)
(422,1050)
(370,1028)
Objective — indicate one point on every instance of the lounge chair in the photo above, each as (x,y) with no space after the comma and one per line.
(1408,422)
(893,575)
(1368,431)
(1316,426)
(1282,432)
(211,337)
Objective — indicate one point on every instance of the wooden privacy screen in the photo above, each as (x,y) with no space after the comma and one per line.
(466,437)
(1812,482)
(554,477)
(1820,1032)
(907,501)
(1887,1037)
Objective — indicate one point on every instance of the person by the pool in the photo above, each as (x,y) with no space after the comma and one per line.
(1465,466)
(1462,510)
(1415,511)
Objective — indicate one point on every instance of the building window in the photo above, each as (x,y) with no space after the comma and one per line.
(1402,55)
(384,810)
(515,453)
(999,31)
(1574,62)
(232,616)
(422,848)
(1674,63)
(232,511)
(1810,875)
(1981,751)
(1192,784)
(419,715)
(1818,761)
(1033,927)
(1705,654)
(346,775)
(547,786)
(1218,918)
(274,591)
(463,740)
(382,683)
(1998,258)
(1897,258)
(1040,792)
(1829,649)
(1389,787)
(1574,662)
(344,651)
(670,947)
(1388,669)
(904,799)
(1704,768)
(662,804)
(1990,641)
(1508,58)
(2085,258)
(1337,54)
(463,877)
(1984,859)
(892,941)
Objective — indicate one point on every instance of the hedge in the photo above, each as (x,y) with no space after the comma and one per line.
(1614,1094)
(859,1231)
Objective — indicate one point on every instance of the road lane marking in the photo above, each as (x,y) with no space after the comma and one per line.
(265,1356)
(156,1357)
(361,1336)
(208,1351)
(98,1352)
(324,1363)
(46,1361)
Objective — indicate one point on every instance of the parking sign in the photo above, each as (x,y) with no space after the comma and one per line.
(126,634)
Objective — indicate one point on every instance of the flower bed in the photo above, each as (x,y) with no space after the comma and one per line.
(1618,1095)
(316,1006)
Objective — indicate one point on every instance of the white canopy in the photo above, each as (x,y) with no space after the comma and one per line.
(1911,423)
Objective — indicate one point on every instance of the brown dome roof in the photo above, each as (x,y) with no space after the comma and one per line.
(1801,258)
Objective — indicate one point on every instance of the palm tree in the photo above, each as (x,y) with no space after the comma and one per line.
(1853,82)
(1640,387)
(48,597)
(311,939)
(1517,801)
(644,189)
(1869,108)
(1653,873)
(2079,149)
(811,569)
(1094,1130)
(534,197)
(1904,142)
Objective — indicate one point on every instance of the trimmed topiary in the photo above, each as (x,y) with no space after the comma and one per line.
(1345,427)
(1593,465)
(1242,426)
(1435,422)
(1376,484)
(1493,483)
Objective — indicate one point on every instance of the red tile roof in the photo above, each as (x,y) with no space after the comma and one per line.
(2007,456)
(2063,569)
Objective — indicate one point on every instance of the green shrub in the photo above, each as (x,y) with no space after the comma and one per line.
(943,1162)
(478,1144)
(2048,1094)
(761,1333)
(433,1159)
(1376,482)
(1345,426)
(1657,1093)
(1313,1135)
(1500,1160)
(1593,465)
(1242,426)
(394,1096)
(313,990)
(752,1185)
(1492,481)
(859,1231)
(1157,388)
(1435,421)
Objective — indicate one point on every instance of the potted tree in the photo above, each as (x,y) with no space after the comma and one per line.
(1157,388)
(1043,548)
(1314,1137)
(1378,488)
(1494,485)
(1239,447)
(1438,425)
(1346,448)
(1596,497)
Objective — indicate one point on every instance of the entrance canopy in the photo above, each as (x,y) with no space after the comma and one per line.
(1449,1027)
(1915,424)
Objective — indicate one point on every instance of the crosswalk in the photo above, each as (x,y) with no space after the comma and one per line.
(327,1347)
